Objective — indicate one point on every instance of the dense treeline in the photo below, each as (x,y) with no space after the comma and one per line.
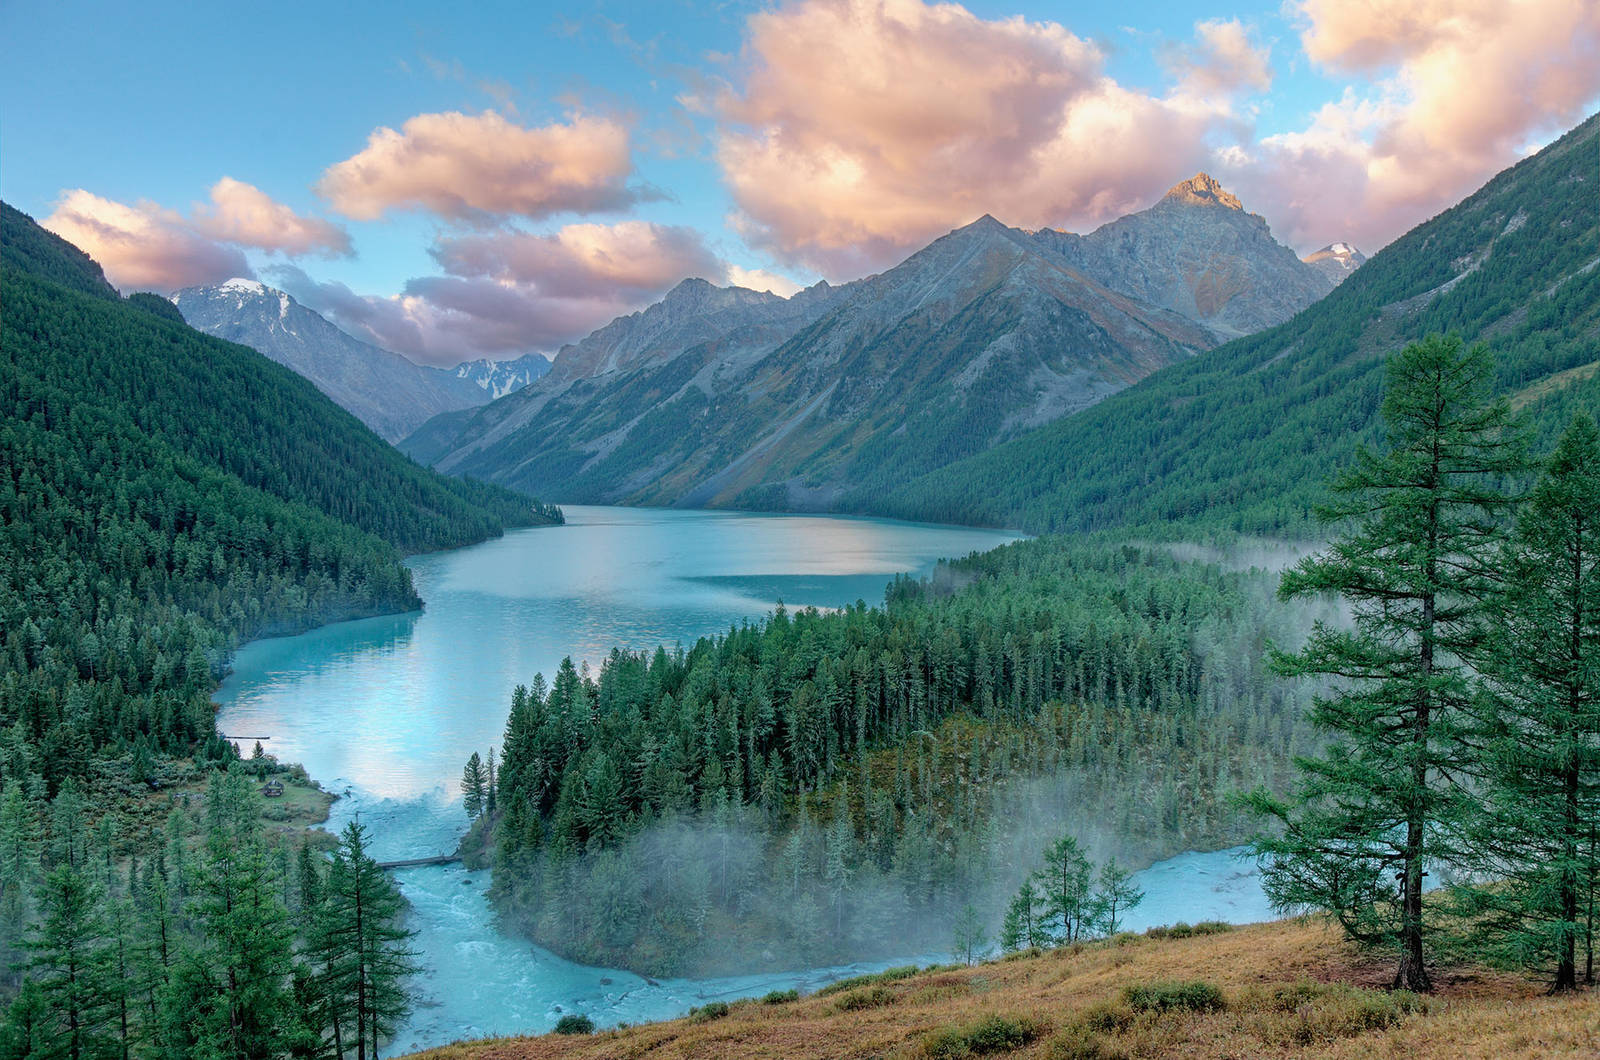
(1465,721)
(1240,437)
(825,786)
(217,943)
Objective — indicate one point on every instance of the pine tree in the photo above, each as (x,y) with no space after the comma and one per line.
(1378,807)
(232,997)
(69,960)
(363,933)
(971,940)
(1065,885)
(1114,895)
(1540,795)
(1022,928)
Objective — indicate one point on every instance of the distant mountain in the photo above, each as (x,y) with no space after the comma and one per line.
(724,396)
(1336,261)
(1198,253)
(1245,436)
(388,393)
(499,378)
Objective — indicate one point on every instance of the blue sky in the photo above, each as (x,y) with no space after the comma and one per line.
(753,141)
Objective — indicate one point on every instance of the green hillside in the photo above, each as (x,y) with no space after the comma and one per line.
(165,495)
(1244,436)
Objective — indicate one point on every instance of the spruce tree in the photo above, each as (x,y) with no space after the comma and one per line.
(1415,567)
(1534,832)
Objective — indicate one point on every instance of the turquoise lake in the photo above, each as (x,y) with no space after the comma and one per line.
(385,712)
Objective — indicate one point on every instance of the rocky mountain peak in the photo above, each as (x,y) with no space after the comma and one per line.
(1336,260)
(1203,189)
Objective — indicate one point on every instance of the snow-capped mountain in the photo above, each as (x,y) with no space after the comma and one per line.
(385,391)
(499,378)
(1336,261)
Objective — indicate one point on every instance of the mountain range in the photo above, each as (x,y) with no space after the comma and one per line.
(1244,436)
(723,396)
(387,392)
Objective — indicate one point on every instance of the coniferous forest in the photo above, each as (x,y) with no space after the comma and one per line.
(163,497)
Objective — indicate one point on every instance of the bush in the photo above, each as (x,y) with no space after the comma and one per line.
(574,1023)
(1181,996)
(841,985)
(873,997)
(904,971)
(988,1037)
(711,1010)
(1081,1043)
(780,997)
(1107,1017)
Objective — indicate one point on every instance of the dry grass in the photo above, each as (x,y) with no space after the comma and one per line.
(1290,989)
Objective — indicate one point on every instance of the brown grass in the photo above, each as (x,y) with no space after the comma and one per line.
(1290,989)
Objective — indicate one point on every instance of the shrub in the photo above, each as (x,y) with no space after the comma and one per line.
(1180,996)
(1313,1012)
(904,971)
(1107,1017)
(872,997)
(987,1037)
(574,1023)
(1081,1043)
(779,997)
(711,1010)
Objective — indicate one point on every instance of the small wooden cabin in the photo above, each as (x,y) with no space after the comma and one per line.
(273,789)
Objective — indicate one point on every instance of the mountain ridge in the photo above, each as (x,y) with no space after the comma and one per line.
(722,396)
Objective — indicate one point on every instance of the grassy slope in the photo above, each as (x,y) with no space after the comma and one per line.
(1290,989)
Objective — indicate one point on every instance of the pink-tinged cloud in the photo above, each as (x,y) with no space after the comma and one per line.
(1464,87)
(1223,60)
(242,213)
(864,128)
(144,246)
(584,260)
(510,292)
(475,166)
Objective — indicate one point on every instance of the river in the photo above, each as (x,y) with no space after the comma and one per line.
(385,711)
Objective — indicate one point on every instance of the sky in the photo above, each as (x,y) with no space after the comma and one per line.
(491,179)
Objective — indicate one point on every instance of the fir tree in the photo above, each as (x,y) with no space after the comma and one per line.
(1378,807)
(474,786)
(69,961)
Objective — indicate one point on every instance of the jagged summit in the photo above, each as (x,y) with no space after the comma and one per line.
(1202,189)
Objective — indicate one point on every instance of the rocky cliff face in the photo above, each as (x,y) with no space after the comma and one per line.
(385,391)
(1336,261)
(1198,253)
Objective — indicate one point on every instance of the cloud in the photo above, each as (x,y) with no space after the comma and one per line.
(1222,61)
(583,260)
(761,280)
(508,292)
(144,246)
(242,213)
(1461,87)
(148,246)
(863,128)
(476,167)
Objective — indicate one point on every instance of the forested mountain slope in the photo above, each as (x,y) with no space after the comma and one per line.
(163,495)
(730,397)
(1243,436)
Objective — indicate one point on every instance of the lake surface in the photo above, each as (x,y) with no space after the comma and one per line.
(385,712)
